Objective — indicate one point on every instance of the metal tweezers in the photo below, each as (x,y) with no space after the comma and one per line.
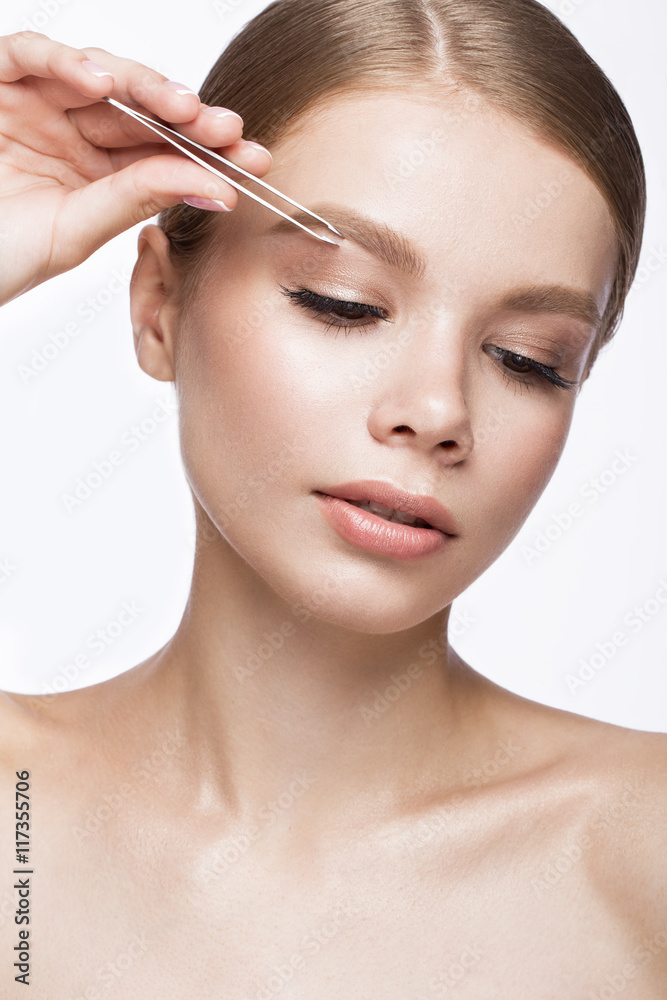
(151,123)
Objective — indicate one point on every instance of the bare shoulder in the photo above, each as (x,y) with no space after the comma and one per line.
(19,724)
(618,778)
(631,769)
(66,718)
(627,767)
(626,842)
(24,716)
(44,731)
(18,740)
(88,731)
(27,726)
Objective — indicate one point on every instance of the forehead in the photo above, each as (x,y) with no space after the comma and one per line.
(483,198)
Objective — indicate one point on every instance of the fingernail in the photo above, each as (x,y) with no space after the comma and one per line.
(95,69)
(207,203)
(251,142)
(180,88)
(221,113)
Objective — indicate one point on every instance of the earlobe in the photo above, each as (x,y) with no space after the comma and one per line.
(152,355)
(151,305)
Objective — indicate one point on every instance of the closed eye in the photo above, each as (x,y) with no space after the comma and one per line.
(516,367)
(531,368)
(337,310)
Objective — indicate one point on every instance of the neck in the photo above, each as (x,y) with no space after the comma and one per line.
(272,698)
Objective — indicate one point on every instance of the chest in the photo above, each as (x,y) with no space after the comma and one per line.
(161,914)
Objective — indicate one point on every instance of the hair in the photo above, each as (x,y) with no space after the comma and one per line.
(514,54)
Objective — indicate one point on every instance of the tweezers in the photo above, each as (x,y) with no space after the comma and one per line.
(151,123)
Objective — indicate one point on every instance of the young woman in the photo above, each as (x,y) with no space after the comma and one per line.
(293,796)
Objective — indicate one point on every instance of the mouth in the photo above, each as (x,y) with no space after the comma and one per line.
(393,504)
(389,514)
(372,525)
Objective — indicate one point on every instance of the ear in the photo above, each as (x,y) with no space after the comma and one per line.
(152,304)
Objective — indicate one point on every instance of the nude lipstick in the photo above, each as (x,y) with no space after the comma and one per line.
(370,530)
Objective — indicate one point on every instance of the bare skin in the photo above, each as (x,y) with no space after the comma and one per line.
(538,873)
(204,826)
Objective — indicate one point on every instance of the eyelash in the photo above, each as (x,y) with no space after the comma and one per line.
(323,305)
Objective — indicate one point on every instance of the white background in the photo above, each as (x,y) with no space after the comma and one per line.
(527,624)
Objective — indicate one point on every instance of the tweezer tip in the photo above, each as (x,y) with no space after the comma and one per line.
(326,239)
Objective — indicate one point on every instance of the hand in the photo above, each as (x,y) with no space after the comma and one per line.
(75,171)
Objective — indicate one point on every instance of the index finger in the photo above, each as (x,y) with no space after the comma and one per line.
(30,53)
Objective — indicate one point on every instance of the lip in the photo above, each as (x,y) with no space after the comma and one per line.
(374,533)
(426,507)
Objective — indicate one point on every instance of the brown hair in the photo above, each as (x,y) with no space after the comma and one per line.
(515,54)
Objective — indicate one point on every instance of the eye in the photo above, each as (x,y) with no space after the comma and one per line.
(528,371)
(337,311)
(524,370)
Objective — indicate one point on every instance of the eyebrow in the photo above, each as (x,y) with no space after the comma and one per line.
(396,250)
(376,237)
(554,299)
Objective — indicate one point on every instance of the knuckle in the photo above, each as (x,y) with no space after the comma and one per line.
(17,43)
(139,180)
(149,208)
(94,50)
(21,37)
(144,80)
(148,201)
(12,102)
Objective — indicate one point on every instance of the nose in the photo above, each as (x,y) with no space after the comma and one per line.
(421,401)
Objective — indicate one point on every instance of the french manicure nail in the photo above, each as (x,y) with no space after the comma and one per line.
(180,88)
(95,69)
(208,203)
(251,142)
(221,113)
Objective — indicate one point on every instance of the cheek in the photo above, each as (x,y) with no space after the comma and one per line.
(267,407)
(516,460)
(249,395)
(263,379)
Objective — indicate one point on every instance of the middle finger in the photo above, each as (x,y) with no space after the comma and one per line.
(104,125)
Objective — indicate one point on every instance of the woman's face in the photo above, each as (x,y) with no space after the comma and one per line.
(278,401)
